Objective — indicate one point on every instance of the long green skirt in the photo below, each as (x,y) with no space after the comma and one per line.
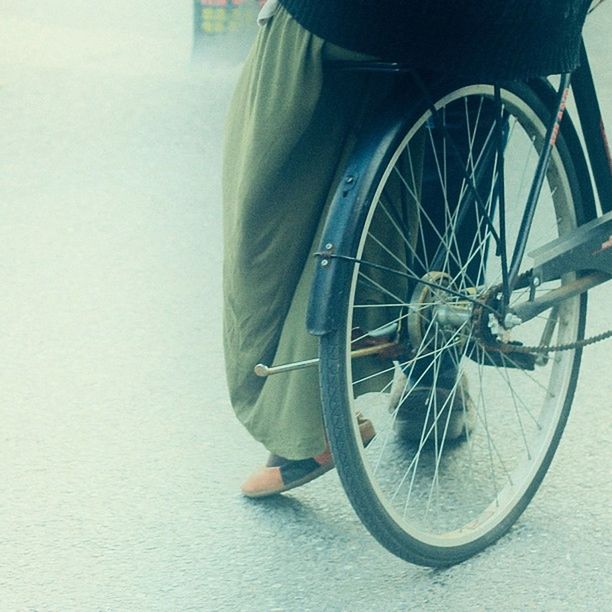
(288,132)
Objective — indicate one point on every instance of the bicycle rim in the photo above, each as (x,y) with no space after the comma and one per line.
(464,433)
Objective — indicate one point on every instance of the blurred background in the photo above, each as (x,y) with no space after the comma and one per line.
(120,458)
(230,23)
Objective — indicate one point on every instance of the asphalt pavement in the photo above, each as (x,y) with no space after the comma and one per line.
(120,458)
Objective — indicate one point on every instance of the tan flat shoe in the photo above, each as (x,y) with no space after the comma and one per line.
(281,474)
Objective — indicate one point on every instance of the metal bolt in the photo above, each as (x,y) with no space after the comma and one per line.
(350,179)
(329,246)
(536,281)
(324,263)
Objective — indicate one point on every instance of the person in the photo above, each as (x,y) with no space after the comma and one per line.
(290,128)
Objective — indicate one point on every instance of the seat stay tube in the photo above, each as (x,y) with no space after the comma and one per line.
(501,195)
(536,187)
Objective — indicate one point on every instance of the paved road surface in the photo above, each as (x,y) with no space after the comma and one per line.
(119,458)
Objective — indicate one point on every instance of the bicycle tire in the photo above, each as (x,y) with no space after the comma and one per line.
(391,468)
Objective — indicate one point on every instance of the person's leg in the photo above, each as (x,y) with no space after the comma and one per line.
(287,130)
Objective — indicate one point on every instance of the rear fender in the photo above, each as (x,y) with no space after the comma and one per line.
(347,214)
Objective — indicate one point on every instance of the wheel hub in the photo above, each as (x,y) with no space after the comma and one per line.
(436,309)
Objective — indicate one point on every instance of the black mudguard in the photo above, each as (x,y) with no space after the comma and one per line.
(347,213)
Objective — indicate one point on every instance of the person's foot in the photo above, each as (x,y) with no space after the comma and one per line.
(413,407)
(280,474)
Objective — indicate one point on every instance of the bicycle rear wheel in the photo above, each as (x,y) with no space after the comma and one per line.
(465,433)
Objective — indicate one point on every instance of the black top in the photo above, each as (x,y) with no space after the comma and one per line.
(494,38)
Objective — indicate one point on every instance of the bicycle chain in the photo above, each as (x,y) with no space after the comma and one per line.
(505,347)
(508,347)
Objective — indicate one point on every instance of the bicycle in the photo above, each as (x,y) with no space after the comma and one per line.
(444,312)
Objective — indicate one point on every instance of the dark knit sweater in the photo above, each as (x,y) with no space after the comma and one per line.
(495,38)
